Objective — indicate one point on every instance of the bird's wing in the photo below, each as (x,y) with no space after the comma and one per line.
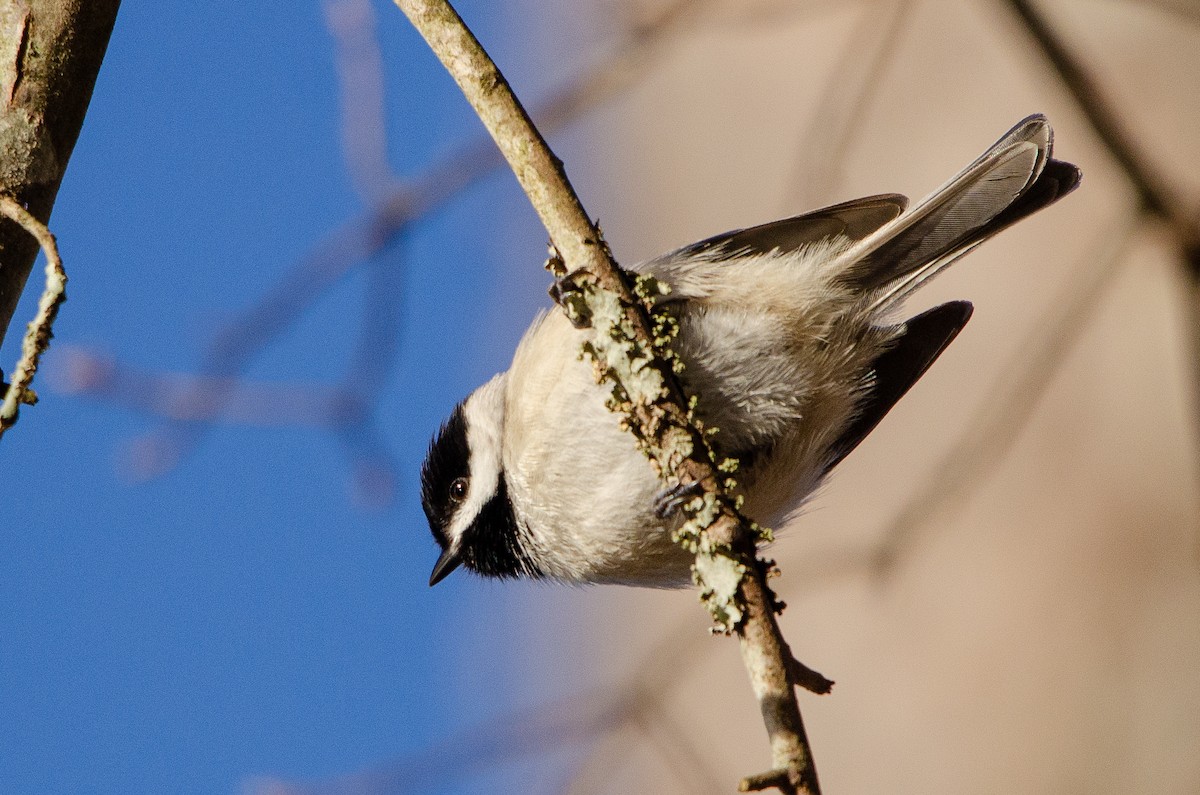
(844,223)
(894,372)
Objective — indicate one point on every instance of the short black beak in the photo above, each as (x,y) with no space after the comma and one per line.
(447,563)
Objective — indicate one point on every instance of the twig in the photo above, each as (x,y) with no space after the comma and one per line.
(39,332)
(1185,10)
(1153,192)
(656,409)
(361,93)
(184,397)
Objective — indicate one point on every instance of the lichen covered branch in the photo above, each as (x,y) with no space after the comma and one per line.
(630,346)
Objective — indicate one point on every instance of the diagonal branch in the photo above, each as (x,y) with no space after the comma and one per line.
(628,348)
(1153,191)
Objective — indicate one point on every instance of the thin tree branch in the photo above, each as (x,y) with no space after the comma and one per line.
(37,336)
(1154,193)
(656,409)
(185,397)
(538,171)
(1184,10)
(361,91)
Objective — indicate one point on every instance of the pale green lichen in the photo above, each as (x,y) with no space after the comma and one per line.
(765,535)
(675,446)
(629,367)
(718,577)
(615,348)
(703,511)
(716,571)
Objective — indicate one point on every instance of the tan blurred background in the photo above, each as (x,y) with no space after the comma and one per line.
(1004,580)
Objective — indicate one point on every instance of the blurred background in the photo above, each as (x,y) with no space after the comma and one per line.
(291,252)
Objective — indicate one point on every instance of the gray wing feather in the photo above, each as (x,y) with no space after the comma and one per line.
(854,220)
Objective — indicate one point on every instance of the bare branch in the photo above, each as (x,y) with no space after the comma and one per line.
(1185,10)
(185,397)
(772,779)
(360,82)
(538,171)
(810,680)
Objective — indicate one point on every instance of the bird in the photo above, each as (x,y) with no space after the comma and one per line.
(787,336)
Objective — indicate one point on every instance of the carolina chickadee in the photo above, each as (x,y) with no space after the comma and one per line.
(786,338)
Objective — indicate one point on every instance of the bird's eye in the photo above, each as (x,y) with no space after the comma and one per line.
(458,489)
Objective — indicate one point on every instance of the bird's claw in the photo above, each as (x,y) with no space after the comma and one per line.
(568,293)
(672,498)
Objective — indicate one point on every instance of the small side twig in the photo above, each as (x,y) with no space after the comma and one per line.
(810,680)
(38,334)
(772,779)
(631,349)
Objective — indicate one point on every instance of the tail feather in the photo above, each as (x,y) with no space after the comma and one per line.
(1012,179)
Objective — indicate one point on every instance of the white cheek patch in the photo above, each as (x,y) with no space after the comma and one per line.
(484,411)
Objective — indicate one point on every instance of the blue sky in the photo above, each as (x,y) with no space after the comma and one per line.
(241,616)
